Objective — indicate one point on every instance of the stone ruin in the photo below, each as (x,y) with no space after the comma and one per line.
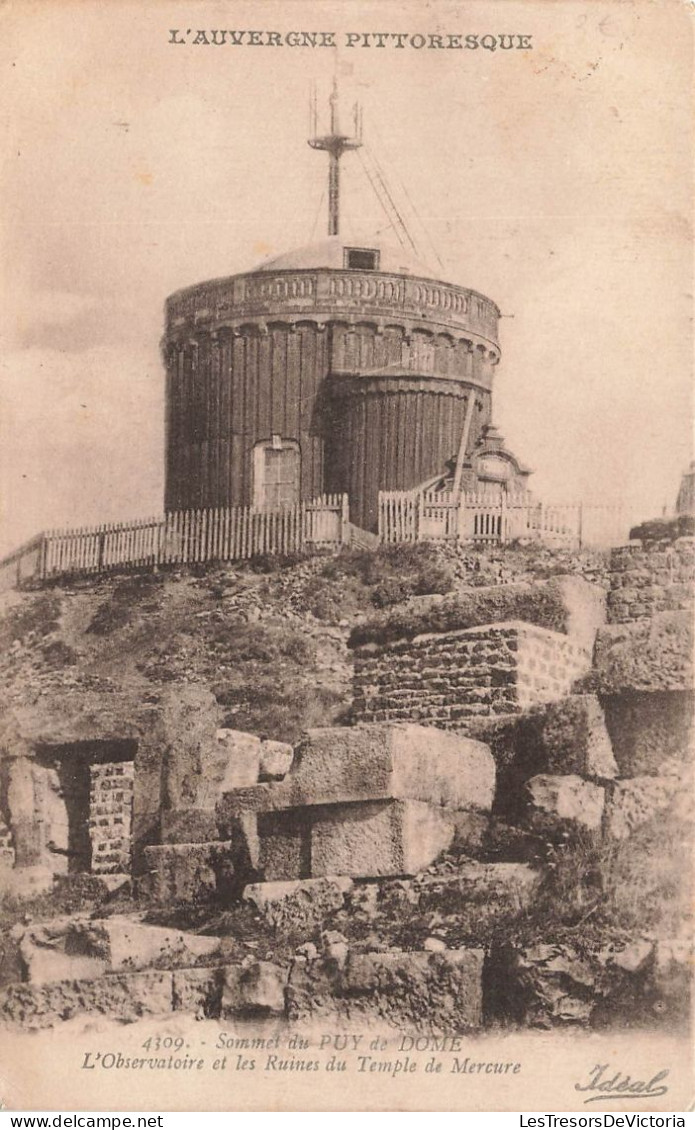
(580,730)
(68,810)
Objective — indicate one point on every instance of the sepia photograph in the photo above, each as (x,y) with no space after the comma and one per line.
(347,556)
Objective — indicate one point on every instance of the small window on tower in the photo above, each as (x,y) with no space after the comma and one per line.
(361,259)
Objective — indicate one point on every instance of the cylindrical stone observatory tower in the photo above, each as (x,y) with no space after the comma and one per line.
(345,366)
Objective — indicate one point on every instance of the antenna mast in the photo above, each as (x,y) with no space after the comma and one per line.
(335,144)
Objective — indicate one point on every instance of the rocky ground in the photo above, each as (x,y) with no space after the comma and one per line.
(537,929)
(578,935)
(267,638)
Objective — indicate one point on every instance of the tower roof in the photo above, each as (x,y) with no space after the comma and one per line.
(332,253)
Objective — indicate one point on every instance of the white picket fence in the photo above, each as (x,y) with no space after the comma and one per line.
(498,519)
(182,537)
(189,537)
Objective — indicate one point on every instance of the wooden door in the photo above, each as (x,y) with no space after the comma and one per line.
(281,477)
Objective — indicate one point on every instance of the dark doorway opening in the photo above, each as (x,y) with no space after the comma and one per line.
(83,799)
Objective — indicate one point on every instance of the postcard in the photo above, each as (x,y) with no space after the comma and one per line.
(347,506)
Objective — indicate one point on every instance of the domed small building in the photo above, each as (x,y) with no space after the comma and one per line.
(346,366)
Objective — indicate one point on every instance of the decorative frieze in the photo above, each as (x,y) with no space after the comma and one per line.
(327,292)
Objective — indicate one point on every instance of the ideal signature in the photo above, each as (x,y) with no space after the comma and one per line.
(604,1083)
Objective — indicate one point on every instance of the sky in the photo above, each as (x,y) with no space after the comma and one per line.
(555,180)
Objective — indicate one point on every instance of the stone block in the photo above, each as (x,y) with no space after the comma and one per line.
(28,845)
(117,881)
(188,826)
(401,761)
(44,957)
(371,762)
(366,801)
(567,604)
(26,882)
(124,997)
(508,888)
(429,990)
(650,579)
(365,840)
(257,989)
(648,655)
(241,755)
(377,838)
(315,988)
(298,906)
(240,804)
(648,729)
(637,800)
(192,763)
(565,737)
(648,984)
(187,872)
(449,680)
(470,829)
(11,964)
(284,845)
(632,958)
(85,949)
(275,761)
(541,986)
(198,992)
(672,978)
(585,607)
(574,738)
(20,789)
(423,991)
(560,804)
(62,716)
(130,944)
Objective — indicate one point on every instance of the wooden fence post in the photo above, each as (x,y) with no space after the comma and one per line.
(455,517)
(345,520)
(419,514)
(43,557)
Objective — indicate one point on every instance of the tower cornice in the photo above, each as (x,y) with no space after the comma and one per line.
(337,295)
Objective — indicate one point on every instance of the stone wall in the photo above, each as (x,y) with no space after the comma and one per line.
(649,729)
(649,579)
(445,678)
(170,739)
(110,816)
(7,855)
(387,863)
(650,655)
